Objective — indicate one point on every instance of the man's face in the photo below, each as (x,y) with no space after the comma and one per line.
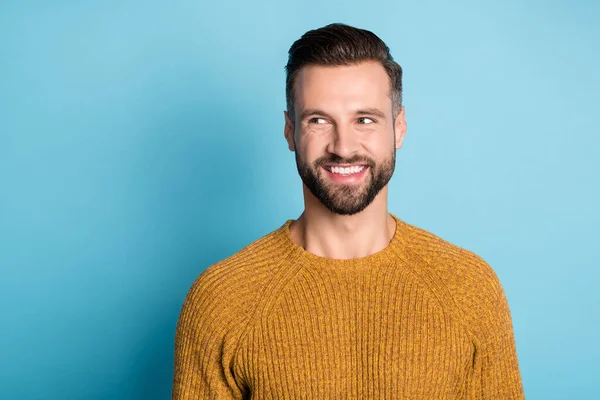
(344,135)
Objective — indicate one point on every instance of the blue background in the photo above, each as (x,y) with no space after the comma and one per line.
(142,141)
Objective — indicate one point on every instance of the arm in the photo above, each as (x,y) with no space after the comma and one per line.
(205,341)
(496,368)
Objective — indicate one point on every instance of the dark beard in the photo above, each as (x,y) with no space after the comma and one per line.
(341,198)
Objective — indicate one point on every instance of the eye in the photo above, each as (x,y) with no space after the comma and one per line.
(365,118)
(313,120)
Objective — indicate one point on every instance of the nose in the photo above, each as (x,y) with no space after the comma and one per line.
(343,142)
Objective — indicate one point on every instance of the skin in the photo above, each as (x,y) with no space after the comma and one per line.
(338,133)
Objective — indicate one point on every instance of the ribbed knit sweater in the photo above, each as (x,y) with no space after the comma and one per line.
(420,319)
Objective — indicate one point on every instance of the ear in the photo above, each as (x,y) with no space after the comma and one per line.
(400,128)
(288,131)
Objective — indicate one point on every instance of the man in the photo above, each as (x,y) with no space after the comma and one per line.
(347,301)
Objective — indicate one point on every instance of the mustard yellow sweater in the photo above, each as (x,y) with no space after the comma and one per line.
(421,319)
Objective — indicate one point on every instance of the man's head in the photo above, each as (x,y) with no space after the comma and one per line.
(344,110)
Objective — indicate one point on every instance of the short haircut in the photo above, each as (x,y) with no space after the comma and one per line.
(337,45)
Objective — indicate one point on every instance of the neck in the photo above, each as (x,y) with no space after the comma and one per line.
(325,234)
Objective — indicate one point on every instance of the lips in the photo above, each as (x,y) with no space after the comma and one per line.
(352,173)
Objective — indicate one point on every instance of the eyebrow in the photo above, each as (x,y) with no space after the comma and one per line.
(362,111)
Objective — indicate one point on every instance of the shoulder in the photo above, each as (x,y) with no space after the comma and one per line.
(216,312)
(447,259)
(233,285)
(462,279)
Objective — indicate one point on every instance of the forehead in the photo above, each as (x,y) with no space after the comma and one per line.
(343,87)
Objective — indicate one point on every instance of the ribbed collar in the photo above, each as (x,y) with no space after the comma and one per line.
(379,257)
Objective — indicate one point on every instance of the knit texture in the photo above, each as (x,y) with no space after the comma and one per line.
(420,319)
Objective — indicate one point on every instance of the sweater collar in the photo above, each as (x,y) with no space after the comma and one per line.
(383,255)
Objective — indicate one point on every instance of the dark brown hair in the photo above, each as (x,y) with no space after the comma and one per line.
(336,45)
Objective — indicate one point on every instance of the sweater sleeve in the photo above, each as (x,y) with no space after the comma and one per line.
(205,342)
(496,369)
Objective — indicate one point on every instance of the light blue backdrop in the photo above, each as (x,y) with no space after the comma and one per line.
(142,141)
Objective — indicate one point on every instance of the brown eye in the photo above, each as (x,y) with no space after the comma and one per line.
(365,118)
(314,121)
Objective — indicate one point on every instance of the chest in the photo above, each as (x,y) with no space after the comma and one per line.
(364,339)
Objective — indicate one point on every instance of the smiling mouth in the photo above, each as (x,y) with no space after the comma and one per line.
(346,175)
(345,170)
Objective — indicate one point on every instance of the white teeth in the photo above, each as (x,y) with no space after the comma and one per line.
(347,170)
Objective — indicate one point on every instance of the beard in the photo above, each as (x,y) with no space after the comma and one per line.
(346,199)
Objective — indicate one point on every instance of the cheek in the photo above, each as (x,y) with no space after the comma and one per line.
(389,140)
(311,146)
(379,144)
